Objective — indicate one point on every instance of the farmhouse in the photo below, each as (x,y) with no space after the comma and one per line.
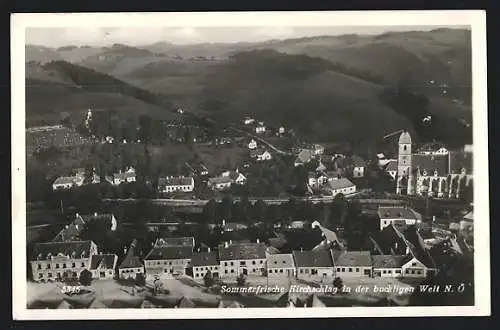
(124,177)
(175,183)
(131,266)
(102,266)
(168,260)
(203,262)
(313,263)
(242,258)
(281,265)
(260,154)
(175,241)
(340,186)
(400,216)
(358,166)
(353,264)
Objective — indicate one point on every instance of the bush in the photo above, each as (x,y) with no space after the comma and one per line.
(241,280)
(208,279)
(140,280)
(338,283)
(85,277)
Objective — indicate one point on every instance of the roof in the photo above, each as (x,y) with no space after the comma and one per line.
(76,249)
(204,259)
(389,261)
(219,180)
(176,181)
(469,216)
(124,175)
(97,217)
(71,232)
(354,258)
(312,258)
(242,251)
(170,252)
(391,165)
(459,160)
(280,261)
(305,155)
(431,163)
(396,212)
(64,180)
(131,260)
(358,161)
(174,241)
(405,138)
(340,183)
(107,261)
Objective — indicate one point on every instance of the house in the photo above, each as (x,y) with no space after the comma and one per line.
(303,157)
(68,182)
(388,265)
(232,226)
(317,179)
(168,260)
(391,167)
(281,265)
(313,263)
(226,179)
(400,216)
(340,186)
(318,149)
(175,241)
(353,264)
(236,176)
(281,130)
(102,266)
(203,262)
(175,183)
(248,120)
(202,170)
(56,260)
(252,144)
(359,165)
(242,258)
(260,154)
(71,232)
(124,177)
(260,128)
(131,266)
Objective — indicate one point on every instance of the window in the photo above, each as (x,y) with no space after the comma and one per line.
(40,275)
(350,270)
(407,271)
(306,271)
(419,272)
(232,263)
(281,270)
(64,265)
(343,269)
(73,265)
(383,272)
(102,274)
(398,271)
(57,265)
(301,271)
(49,275)
(413,264)
(39,266)
(413,272)
(83,264)
(357,270)
(226,271)
(170,263)
(48,266)
(242,263)
(338,269)
(232,270)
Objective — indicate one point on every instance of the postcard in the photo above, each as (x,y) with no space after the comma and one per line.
(283,164)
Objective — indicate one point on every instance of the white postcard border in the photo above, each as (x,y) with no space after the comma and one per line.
(473,18)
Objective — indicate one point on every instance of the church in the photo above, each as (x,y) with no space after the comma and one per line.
(440,173)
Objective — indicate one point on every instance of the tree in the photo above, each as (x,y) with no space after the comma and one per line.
(208,279)
(86,277)
(140,280)
(338,283)
(240,280)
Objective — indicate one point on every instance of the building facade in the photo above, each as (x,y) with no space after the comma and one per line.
(242,258)
(281,265)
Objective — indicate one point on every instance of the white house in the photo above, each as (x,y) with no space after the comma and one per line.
(252,144)
(63,182)
(318,149)
(220,183)
(340,186)
(281,265)
(313,264)
(260,155)
(260,128)
(176,183)
(388,265)
(358,166)
(353,264)
(248,120)
(281,130)
(102,266)
(400,216)
(391,167)
(203,262)
(124,177)
(412,267)
(242,258)
(168,261)
(56,260)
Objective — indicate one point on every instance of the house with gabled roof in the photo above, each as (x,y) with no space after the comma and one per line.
(175,241)
(313,264)
(353,264)
(102,266)
(131,266)
(242,258)
(401,216)
(171,184)
(203,262)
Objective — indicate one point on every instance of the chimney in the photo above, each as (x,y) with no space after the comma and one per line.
(258,241)
(301,249)
(76,226)
(198,249)
(208,249)
(226,244)
(124,250)
(230,242)
(95,214)
(223,223)
(433,218)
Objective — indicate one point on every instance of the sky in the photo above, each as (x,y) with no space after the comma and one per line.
(136,36)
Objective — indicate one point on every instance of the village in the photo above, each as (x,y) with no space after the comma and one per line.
(402,244)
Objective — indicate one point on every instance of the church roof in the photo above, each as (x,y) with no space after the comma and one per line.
(431,163)
(459,160)
(405,138)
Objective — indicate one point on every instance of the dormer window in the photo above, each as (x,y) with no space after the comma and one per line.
(424,173)
(463,170)
(435,172)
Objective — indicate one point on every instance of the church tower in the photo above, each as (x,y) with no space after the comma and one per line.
(404,163)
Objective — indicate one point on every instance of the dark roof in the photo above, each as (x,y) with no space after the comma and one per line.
(176,181)
(354,258)
(396,212)
(430,163)
(107,261)
(459,160)
(305,155)
(242,251)
(390,241)
(358,161)
(131,260)
(313,258)
(71,231)
(76,249)
(340,183)
(204,259)
(389,261)
(392,165)
(170,252)
(280,261)
(174,241)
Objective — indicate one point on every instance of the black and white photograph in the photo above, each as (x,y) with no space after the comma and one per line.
(263,161)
